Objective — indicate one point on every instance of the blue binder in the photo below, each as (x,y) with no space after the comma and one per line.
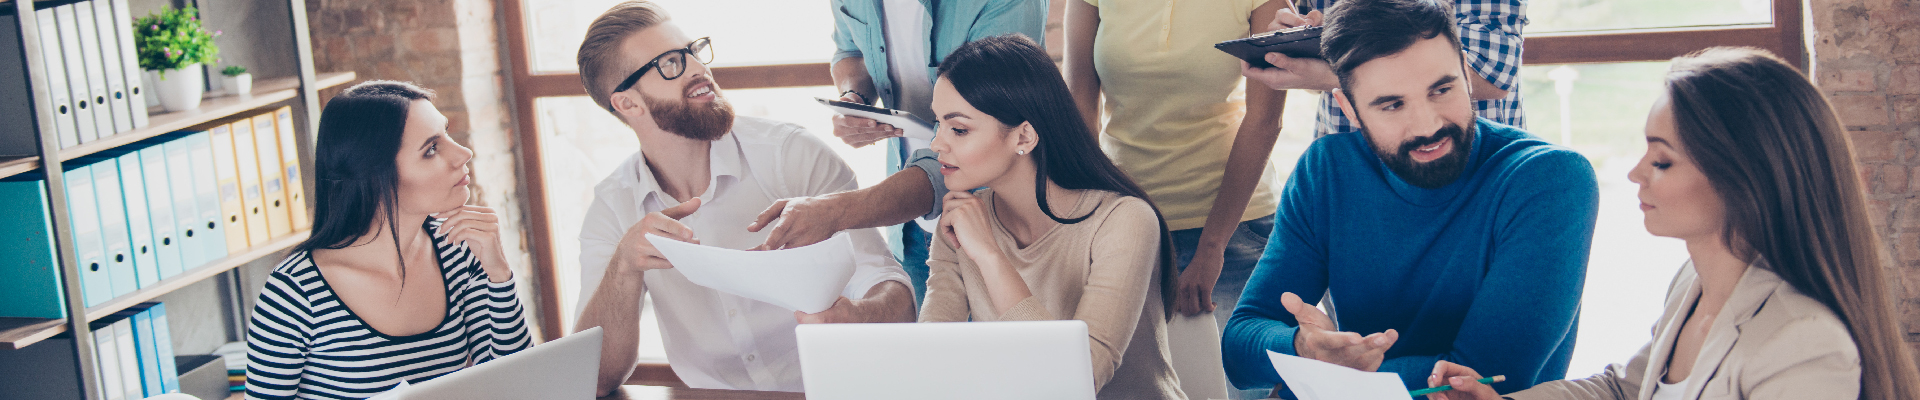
(31,281)
(166,230)
(133,191)
(90,248)
(163,343)
(114,229)
(149,354)
(186,210)
(207,196)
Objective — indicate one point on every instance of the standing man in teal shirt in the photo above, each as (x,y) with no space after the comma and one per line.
(887,53)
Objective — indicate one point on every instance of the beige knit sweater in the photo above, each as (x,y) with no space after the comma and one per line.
(1101,271)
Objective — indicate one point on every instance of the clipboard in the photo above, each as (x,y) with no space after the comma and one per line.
(1297,42)
(911,125)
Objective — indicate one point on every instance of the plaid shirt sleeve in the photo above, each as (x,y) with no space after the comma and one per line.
(1490,34)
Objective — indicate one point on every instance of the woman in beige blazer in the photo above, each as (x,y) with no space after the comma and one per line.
(1784,296)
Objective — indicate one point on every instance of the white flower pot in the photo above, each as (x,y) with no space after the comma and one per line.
(180,89)
(240,85)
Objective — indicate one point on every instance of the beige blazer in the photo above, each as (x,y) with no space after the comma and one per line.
(1769,342)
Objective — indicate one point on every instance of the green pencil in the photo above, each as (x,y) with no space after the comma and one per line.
(1443,388)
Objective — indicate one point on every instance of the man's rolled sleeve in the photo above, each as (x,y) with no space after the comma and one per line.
(929,163)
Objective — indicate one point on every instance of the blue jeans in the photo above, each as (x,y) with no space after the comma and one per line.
(913,258)
(1243,252)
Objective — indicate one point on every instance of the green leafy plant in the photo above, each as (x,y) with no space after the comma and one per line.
(172,39)
(233,70)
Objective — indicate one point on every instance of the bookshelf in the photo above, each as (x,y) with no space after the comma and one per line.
(285,78)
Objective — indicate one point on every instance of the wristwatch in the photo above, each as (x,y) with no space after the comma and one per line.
(863,98)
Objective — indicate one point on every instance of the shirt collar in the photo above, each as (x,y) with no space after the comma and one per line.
(724,165)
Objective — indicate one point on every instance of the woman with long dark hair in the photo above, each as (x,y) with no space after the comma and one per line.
(1785,296)
(1058,232)
(401,280)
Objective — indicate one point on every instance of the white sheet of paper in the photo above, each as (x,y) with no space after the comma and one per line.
(806,279)
(393,394)
(1312,379)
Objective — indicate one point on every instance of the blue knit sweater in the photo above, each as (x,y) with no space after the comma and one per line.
(1485,272)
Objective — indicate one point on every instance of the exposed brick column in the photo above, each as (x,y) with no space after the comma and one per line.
(452,47)
(1866,57)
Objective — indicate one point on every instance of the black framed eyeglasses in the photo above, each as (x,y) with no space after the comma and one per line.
(672,63)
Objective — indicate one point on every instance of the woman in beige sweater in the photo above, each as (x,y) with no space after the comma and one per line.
(1058,232)
(1784,297)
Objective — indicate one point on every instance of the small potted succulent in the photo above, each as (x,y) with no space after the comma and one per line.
(237,81)
(174,50)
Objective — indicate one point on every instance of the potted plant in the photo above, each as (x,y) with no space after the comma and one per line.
(237,81)
(174,50)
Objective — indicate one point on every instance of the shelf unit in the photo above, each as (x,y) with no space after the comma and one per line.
(300,90)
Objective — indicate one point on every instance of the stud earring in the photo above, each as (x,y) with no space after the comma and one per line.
(1020,152)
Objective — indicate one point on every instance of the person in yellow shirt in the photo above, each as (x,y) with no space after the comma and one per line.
(1177,122)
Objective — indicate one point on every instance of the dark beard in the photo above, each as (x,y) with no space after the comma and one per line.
(1431,174)
(705,123)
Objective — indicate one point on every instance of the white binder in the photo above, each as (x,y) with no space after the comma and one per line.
(56,67)
(109,36)
(107,353)
(96,69)
(136,88)
(79,87)
(129,359)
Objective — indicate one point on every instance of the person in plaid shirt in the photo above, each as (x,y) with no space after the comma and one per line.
(1489,33)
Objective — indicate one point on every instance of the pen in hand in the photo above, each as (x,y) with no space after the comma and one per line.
(1443,388)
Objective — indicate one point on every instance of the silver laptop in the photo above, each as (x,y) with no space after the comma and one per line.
(954,360)
(563,369)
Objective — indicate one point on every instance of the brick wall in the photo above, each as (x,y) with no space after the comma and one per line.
(452,47)
(1866,57)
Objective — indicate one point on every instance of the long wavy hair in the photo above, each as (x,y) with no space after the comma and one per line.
(357,181)
(1012,79)
(1774,150)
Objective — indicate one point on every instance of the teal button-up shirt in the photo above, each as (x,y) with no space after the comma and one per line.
(858,31)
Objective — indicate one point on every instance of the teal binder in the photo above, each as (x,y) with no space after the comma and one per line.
(186,211)
(90,249)
(149,354)
(207,196)
(163,343)
(133,192)
(31,281)
(114,229)
(166,230)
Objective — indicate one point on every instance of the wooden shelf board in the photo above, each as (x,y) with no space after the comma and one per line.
(265,93)
(16,333)
(14,165)
(20,332)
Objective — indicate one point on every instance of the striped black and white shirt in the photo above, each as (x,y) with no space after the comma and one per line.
(303,343)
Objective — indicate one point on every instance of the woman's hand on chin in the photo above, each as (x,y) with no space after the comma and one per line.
(479,229)
(963,223)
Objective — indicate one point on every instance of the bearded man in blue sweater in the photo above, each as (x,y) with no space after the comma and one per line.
(1431,234)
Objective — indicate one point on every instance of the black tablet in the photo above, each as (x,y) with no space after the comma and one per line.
(1296,42)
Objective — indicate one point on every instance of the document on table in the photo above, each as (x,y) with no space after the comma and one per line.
(806,279)
(393,394)
(1311,379)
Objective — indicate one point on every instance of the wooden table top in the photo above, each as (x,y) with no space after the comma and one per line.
(640,392)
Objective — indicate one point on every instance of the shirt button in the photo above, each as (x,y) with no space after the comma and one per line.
(731,313)
(749,357)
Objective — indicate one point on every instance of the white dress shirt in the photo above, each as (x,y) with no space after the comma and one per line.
(713,339)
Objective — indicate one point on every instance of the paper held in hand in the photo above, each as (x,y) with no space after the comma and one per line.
(1311,379)
(806,279)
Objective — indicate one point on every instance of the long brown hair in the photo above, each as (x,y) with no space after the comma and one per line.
(1777,154)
